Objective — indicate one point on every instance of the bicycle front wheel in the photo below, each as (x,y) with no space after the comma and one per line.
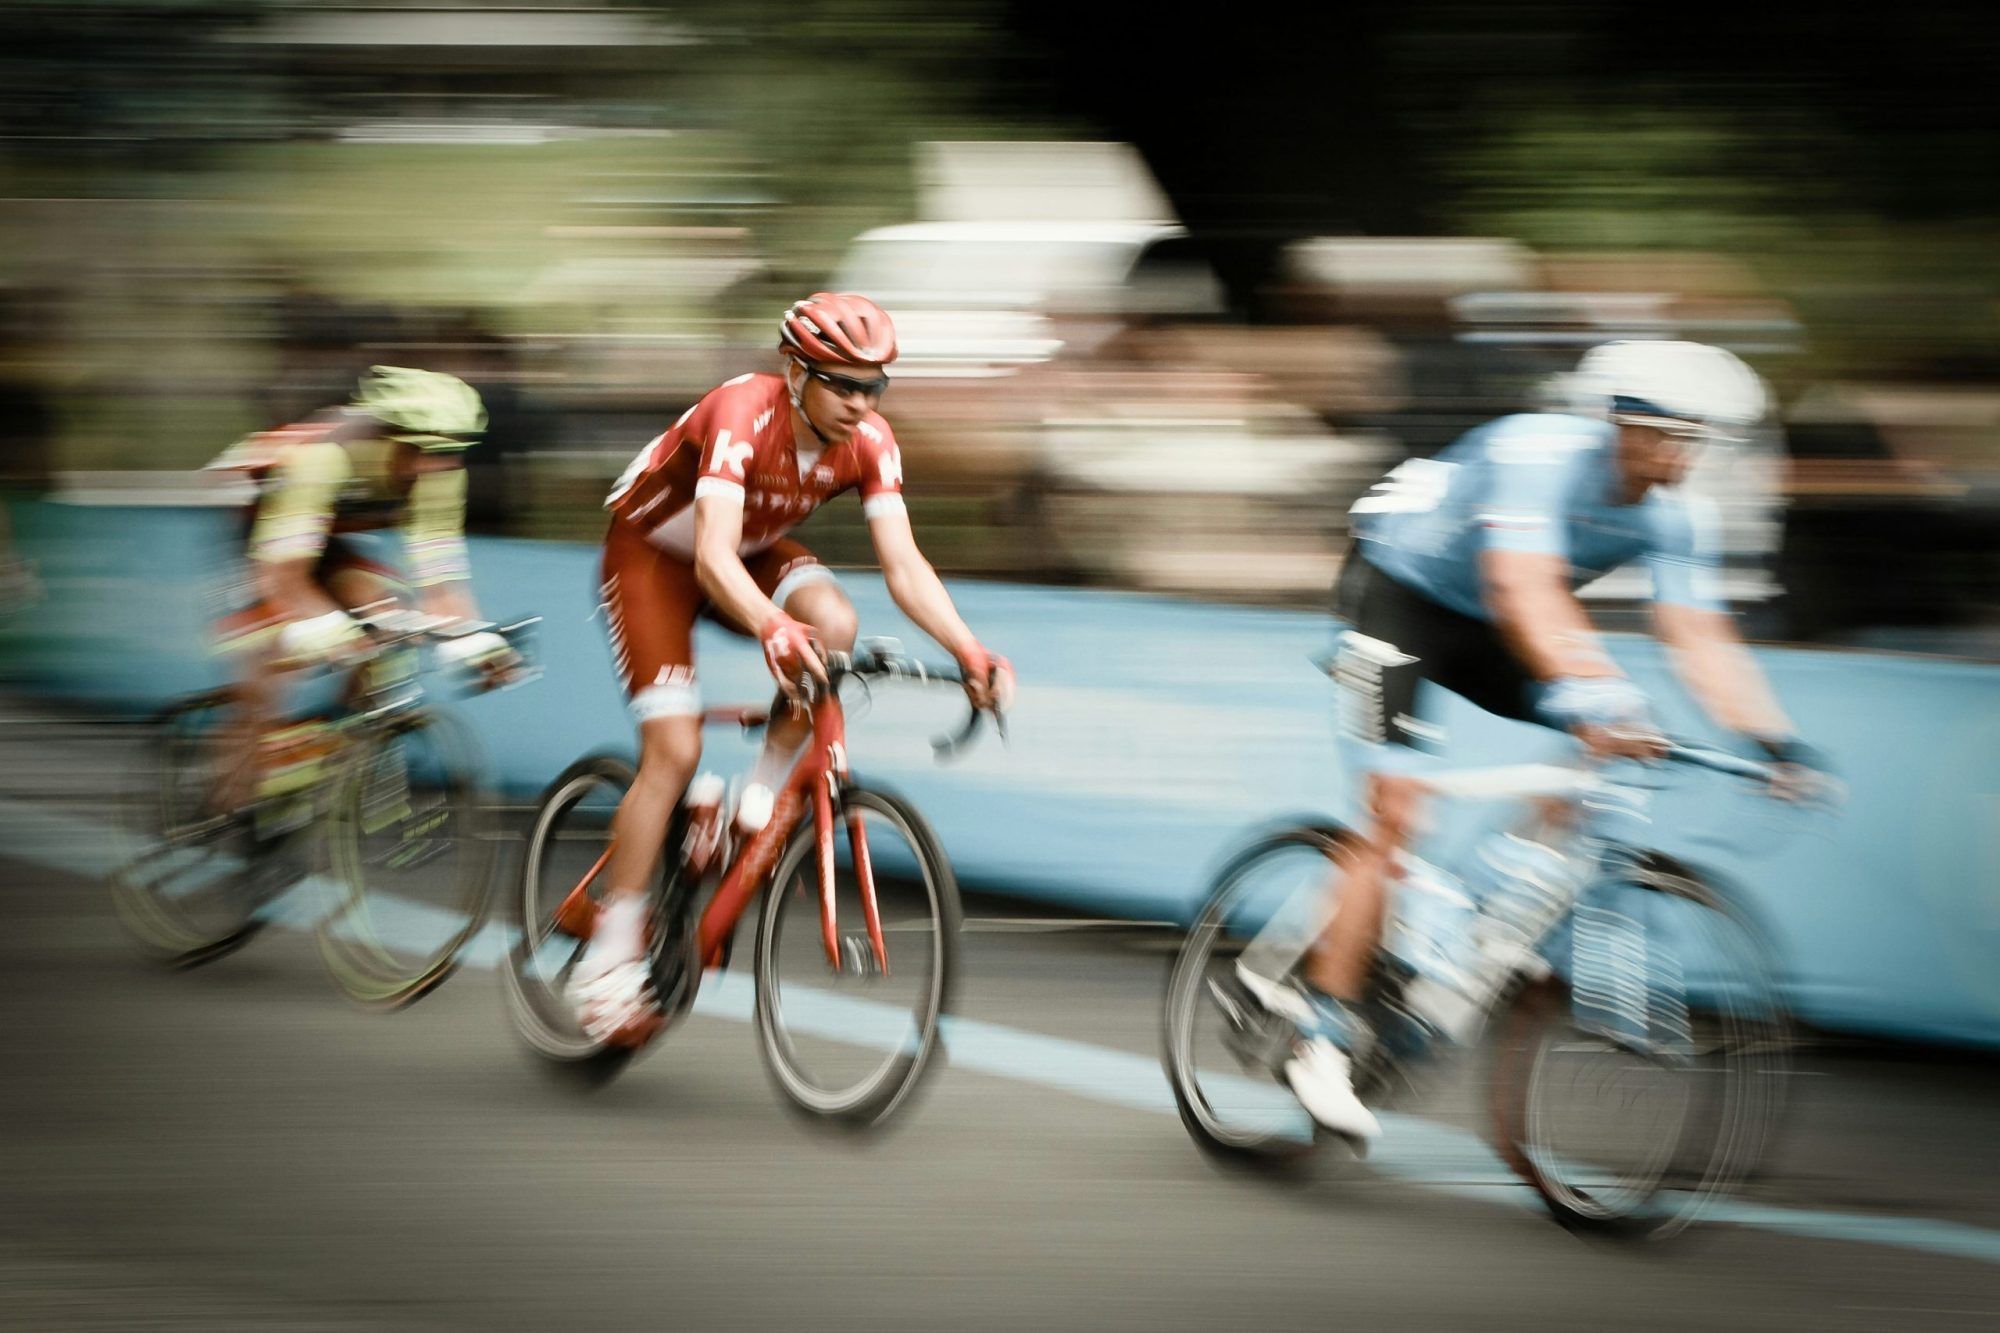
(1647,1077)
(409,844)
(848,1036)
(193,890)
(1220,1052)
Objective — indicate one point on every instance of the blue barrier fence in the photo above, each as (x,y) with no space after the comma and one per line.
(1152,734)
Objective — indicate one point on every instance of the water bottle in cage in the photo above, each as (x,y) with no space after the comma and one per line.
(1532,886)
(1430,940)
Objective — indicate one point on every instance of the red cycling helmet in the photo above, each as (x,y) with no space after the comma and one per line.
(839,327)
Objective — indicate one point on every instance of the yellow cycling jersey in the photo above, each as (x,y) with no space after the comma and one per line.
(312,483)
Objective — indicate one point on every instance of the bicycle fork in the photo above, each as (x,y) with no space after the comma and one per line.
(829,728)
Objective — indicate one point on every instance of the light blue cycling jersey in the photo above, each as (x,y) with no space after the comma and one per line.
(1545,483)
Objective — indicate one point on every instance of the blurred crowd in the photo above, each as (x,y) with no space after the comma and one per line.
(1084,397)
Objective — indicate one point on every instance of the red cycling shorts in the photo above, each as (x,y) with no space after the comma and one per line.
(650,601)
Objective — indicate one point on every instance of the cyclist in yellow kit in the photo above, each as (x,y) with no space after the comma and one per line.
(393,457)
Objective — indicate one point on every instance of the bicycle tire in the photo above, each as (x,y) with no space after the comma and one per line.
(1736,1061)
(1281,1137)
(389,942)
(538,961)
(909,1055)
(187,896)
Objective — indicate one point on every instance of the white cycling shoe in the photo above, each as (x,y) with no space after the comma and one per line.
(615,1006)
(1321,1076)
(611,989)
(1318,1072)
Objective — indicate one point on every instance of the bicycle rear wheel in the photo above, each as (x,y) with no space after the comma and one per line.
(193,890)
(1647,1078)
(564,863)
(848,1039)
(409,842)
(1220,1055)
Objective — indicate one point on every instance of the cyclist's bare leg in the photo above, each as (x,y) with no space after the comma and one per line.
(255,698)
(824,607)
(669,749)
(609,982)
(1339,962)
(259,689)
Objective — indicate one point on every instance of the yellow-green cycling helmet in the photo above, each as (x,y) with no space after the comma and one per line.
(423,407)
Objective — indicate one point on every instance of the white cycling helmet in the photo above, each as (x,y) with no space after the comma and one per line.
(1680,380)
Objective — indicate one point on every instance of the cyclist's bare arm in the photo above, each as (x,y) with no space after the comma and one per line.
(434,540)
(718,568)
(916,589)
(1711,661)
(1539,618)
(913,585)
(1545,626)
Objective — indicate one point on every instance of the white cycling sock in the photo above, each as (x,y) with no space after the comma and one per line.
(620,934)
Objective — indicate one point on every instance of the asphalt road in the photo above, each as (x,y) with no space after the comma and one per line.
(239,1148)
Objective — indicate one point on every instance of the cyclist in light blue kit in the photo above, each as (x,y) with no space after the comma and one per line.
(1464,574)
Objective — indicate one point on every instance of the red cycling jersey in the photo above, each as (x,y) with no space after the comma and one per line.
(737,443)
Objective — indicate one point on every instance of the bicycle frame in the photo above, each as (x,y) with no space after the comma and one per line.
(1284,939)
(1292,929)
(368,696)
(816,777)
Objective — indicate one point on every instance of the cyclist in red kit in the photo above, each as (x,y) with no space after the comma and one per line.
(698,528)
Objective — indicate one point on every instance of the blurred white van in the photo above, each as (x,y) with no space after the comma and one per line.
(983,299)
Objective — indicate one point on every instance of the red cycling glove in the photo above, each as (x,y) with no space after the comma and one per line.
(990,673)
(788,648)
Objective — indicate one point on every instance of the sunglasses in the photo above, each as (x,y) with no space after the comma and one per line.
(842,385)
(1688,436)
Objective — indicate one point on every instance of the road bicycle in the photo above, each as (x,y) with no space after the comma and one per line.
(379,800)
(1638,1042)
(856,943)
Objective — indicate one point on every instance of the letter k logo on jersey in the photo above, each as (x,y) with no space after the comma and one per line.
(731,456)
